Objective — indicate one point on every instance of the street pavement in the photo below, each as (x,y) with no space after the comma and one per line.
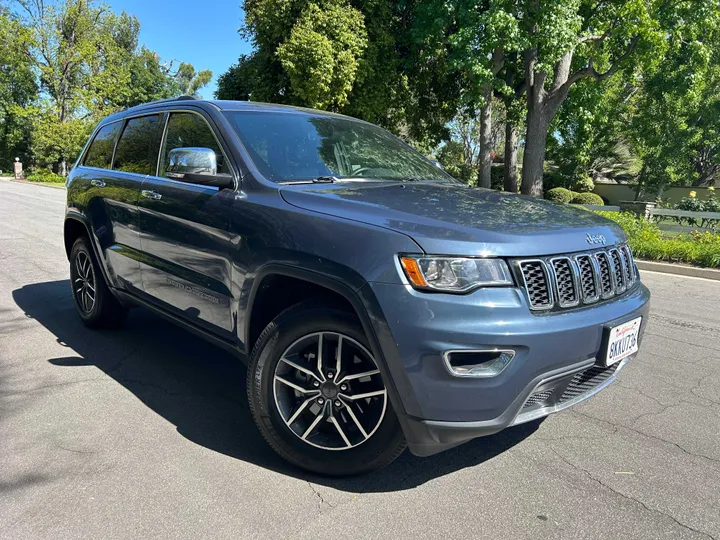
(145,432)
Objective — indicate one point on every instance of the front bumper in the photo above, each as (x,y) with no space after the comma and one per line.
(438,410)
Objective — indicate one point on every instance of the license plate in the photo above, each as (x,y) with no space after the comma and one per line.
(623,341)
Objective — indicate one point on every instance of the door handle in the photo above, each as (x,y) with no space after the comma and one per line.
(97,183)
(153,195)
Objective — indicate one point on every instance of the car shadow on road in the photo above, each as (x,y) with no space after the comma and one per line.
(201,390)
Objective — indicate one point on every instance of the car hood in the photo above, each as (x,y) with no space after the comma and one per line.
(453,219)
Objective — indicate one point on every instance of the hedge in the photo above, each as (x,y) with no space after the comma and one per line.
(560,195)
(647,242)
(588,198)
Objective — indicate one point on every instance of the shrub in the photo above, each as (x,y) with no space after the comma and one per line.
(588,198)
(45,175)
(647,242)
(497,177)
(584,184)
(560,195)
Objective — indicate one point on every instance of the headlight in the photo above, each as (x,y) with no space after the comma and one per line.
(454,274)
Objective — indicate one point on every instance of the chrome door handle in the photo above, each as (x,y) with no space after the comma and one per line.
(153,195)
(97,183)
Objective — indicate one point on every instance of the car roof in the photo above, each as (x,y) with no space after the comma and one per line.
(222,105)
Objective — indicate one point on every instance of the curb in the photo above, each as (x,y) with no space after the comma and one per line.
(45,184)
(679,269)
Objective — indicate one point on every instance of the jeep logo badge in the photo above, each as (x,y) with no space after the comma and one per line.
(595,239)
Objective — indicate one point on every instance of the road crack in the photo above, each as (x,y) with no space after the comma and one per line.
(629,497)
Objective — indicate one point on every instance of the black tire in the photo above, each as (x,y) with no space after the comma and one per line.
(382,446)
(102,310)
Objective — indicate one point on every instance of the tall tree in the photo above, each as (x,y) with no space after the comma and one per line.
(677,121)
(18,89)
(573,40)
(88,64)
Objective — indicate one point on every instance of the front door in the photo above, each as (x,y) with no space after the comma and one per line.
(185,240)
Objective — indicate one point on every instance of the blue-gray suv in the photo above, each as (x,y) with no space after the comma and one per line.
(378,302)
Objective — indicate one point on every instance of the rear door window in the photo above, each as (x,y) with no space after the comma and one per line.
(138,147)
(101,149)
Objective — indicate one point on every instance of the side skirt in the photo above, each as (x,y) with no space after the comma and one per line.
(129,298)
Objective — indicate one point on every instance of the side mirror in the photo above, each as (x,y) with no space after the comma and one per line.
(196,165)
(437,164)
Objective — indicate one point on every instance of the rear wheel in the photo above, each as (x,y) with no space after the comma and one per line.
(317,395)
(95,304)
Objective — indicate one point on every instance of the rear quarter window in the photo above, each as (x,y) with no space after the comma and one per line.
(101,149)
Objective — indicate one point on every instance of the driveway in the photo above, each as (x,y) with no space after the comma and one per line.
(145,432)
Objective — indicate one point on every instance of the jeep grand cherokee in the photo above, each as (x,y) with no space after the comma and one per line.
(378,302)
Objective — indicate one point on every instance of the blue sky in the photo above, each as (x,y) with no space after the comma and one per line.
(202,33)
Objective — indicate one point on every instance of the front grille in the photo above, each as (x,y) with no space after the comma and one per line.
(568,388)
(567,281)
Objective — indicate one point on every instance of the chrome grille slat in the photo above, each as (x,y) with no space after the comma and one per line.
(607,277)
(569,280)
(537,284)
(618,270)
(629,265)
(589,282)
(566,281)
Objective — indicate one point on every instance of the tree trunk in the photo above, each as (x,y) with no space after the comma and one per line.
(510,181)
(484,178)
(534,156)
(63,168)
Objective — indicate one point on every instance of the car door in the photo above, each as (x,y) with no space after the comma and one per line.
(185,238)
(113,190)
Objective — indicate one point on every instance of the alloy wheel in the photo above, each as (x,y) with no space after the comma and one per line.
(329,391)
(84,282)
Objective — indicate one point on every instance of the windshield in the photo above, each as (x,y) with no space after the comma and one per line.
(290,147)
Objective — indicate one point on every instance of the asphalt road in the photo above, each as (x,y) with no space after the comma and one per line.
(145,432)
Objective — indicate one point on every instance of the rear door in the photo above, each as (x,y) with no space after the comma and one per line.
(110,194)
(185,237)
(136,155)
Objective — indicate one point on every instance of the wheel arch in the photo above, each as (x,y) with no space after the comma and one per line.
(335,292)
(75,226)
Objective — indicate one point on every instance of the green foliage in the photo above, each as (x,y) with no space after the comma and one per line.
(497,173)
(18,88)
(322,54)
(588,198)
(584,184)
(45,175)
(560,195)
(64,64)
(676,113)
(647,242)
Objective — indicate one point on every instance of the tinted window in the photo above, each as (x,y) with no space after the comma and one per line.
(294,146)
(189,130)
(101,149)
(137,148)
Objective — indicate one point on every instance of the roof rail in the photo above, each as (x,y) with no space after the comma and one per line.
(157,101)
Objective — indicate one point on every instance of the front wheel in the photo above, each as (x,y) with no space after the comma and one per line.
(317,394)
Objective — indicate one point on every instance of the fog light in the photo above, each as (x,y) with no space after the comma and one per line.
(485,363)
